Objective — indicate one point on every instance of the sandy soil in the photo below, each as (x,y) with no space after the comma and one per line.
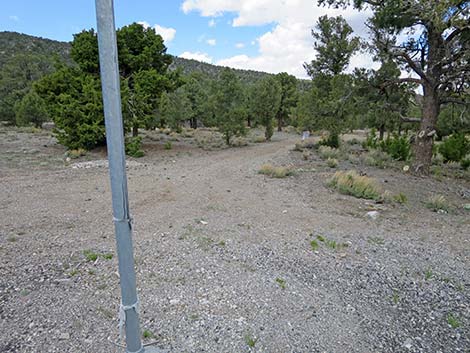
(248,280)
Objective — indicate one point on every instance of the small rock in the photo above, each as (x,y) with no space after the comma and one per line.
(174,301)
(373,214)
(408,343)
(64,336)
(204,223)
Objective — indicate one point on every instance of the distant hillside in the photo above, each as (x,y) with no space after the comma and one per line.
(13,43)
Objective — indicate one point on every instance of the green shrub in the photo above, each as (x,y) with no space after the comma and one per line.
(134,147)
(168,145)
(351,183)
(455,148)
(400,198)
(398,147)
(332,141)
(371,140)
(31,110)
(465,162)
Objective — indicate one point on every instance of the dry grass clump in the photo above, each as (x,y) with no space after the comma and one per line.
(74,154)
(438,203)
(327,152)
(332,162)
(275,172)
(259,139)
(351,183)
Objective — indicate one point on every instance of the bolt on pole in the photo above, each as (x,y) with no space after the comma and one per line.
(107,44)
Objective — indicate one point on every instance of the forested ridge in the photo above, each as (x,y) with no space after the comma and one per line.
(418,48)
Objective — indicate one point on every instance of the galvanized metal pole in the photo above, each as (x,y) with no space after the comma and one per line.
(129,315)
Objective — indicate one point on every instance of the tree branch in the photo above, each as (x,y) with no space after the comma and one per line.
(402,80)
(412,64)
(406,119)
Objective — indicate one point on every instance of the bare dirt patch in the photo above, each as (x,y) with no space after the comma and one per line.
(226,258)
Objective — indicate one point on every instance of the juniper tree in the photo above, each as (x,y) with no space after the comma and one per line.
(436,51)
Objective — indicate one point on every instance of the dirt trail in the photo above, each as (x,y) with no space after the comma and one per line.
(246,275)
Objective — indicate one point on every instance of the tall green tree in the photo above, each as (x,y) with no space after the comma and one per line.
(436,51)
(228,105)
(332,105)
(289,97)
(382,102)
(74,101)
(175,108)
(197,92)
(266,102)
(334,44)
(31,110)
(143,67)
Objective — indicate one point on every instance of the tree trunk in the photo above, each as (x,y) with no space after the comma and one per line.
(422,147)
(248,121)
(135,130)
(279,123)
(425,137)
(193,123)
(381,132)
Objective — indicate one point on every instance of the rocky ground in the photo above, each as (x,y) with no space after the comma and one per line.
(224,255)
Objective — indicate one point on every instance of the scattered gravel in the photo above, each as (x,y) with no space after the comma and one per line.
(232,261)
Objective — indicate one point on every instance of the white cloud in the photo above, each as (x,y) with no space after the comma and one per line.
(211,42)
(14,18)
(289,43)
(167,33)
(212,23)
(196,56)
(240,45)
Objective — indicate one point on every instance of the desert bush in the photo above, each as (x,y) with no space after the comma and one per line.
(134,147)
(168,145)
(309,144)
(398,147)
(275,172)
(376,158)
(332,162)
(326,152)
(351,183)
(239,142)
(31,110)
(438,203)
(465,162)
(354,159)
(400,198)
(437,159)
(188,133)
(305,155)
(332,141)
(74,154)
(259,139)
(371,141)
(454,148)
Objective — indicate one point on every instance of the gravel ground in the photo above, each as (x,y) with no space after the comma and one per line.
(224,257)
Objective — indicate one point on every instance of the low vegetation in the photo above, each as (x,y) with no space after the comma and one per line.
(351,183)
(438,203)
(275,172)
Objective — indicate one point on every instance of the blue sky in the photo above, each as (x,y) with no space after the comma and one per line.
(265,35)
